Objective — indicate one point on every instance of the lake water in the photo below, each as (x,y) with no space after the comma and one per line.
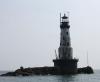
(54,78)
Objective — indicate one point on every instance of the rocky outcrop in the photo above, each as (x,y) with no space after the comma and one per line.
(45,71)
(87,70)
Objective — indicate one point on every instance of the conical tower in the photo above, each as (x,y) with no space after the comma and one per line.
(65,62)
(65,50)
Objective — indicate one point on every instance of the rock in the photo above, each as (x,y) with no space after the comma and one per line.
(9,74)
(45,71)
(87,70)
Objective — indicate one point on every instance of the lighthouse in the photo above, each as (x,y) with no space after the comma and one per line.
(64,61)
(65,49)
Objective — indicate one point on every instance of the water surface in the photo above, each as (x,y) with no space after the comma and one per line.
(55,78)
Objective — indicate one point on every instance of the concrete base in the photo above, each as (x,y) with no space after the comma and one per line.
(66,66)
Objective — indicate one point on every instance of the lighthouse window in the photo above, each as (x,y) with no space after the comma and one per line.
(67,33)
(67,43)
(64,20)
(63,38)
(68,55)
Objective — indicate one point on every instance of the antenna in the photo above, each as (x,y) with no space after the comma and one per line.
(56,55)
(87,59)
(60,18)
(68,13)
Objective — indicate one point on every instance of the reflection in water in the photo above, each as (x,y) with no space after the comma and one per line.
(65,78)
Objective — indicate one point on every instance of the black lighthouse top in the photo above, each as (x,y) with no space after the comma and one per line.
(64,23)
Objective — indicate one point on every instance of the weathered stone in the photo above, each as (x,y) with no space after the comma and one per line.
(46,71)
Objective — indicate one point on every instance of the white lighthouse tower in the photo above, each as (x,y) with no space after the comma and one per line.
(65,50)
(65,62)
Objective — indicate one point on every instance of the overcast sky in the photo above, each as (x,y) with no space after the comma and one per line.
(29,31)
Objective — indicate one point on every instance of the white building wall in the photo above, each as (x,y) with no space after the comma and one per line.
(65,50)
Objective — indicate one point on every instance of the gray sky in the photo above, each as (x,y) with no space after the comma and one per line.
(29,31)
